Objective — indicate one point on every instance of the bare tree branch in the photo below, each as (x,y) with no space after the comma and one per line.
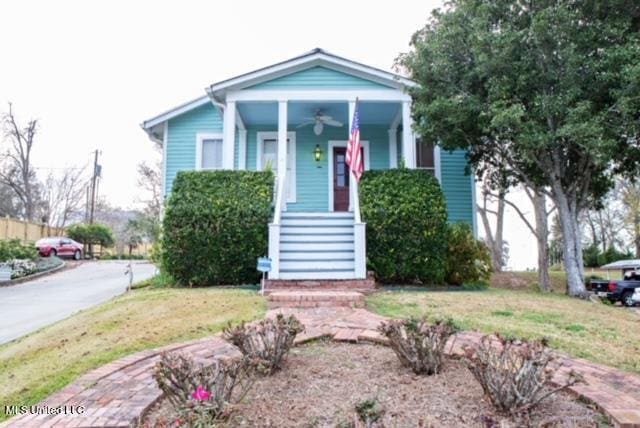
(16,171)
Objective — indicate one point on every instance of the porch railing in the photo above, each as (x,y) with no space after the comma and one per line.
(359,232)
(274,227)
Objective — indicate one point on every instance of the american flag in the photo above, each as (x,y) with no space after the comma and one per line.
(354,148)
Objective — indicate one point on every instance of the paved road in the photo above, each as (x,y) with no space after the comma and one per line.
(29,306)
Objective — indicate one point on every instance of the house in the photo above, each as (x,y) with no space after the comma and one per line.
(309,101)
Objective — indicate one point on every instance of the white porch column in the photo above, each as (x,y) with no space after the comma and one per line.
(229,136)
(393,148)
(282,136)
(242,149)
(408,141)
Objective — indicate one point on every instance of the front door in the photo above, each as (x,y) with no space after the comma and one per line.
(340,179)
(270,159)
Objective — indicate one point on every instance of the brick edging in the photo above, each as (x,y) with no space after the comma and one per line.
(130,376)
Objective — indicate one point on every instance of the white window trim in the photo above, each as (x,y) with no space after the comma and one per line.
(269,135)
(436,168)
(334,143)
(200,137)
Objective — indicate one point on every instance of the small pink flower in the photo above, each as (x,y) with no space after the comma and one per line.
(201,394)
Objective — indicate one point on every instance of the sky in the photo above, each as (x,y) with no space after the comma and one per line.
(92,71)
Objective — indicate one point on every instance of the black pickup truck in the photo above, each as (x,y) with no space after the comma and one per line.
(625,290)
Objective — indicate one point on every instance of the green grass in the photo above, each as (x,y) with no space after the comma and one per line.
(528,281)
(37,365)
(600,333)
(161,280)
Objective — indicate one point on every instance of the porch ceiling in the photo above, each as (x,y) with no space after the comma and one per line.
(371,113)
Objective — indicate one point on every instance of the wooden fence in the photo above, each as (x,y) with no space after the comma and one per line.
(26,232)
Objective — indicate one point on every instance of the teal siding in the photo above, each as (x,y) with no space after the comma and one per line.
(312,177)
(319,78)
(181,145)
(457,187)
(312,182)
(378,138)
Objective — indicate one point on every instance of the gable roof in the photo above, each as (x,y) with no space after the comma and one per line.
(314,58)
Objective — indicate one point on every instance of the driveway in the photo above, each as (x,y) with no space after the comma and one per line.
(29,306)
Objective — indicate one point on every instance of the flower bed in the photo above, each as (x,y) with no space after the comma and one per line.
(22,268)
(330,384)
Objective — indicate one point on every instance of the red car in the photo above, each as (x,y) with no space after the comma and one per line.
(61,247)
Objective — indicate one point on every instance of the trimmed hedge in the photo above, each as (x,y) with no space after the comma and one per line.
(406,218)
(216,225)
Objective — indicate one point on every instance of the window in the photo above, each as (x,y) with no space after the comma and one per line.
(425,158)
(270,154)
(209,151)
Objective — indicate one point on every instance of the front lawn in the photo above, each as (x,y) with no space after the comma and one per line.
(594,331)
(33,367)
(528,280)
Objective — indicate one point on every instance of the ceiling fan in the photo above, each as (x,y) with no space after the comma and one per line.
(318,121)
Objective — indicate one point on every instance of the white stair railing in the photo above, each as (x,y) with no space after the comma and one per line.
(359,233)
(274,227)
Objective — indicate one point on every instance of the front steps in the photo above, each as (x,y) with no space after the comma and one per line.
(317,246)
(360,285)
(315,299)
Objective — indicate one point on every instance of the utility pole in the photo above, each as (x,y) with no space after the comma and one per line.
(94,188)
(94,182)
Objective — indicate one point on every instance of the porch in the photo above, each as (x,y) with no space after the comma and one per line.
(317,232)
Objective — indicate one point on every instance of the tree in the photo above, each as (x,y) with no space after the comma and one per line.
(605,222)
(494,238)
(64,195)
(16,170)
(550,86)
(540,229)
(9,204)
(150,180)
(630,197)
(133,235)
(91,234)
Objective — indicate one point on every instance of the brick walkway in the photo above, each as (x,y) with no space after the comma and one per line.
(117,394)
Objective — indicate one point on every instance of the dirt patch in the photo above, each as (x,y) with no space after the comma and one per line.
(510,281)
(323,381)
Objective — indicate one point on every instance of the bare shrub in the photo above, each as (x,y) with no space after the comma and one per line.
(268,340)
(201,393)
(417,343)
(514,374)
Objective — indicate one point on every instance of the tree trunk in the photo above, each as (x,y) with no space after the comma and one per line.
(636,234)
(592,226)
(495,240)
(542,236)
(572,244)
(603,236)
(499,241)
